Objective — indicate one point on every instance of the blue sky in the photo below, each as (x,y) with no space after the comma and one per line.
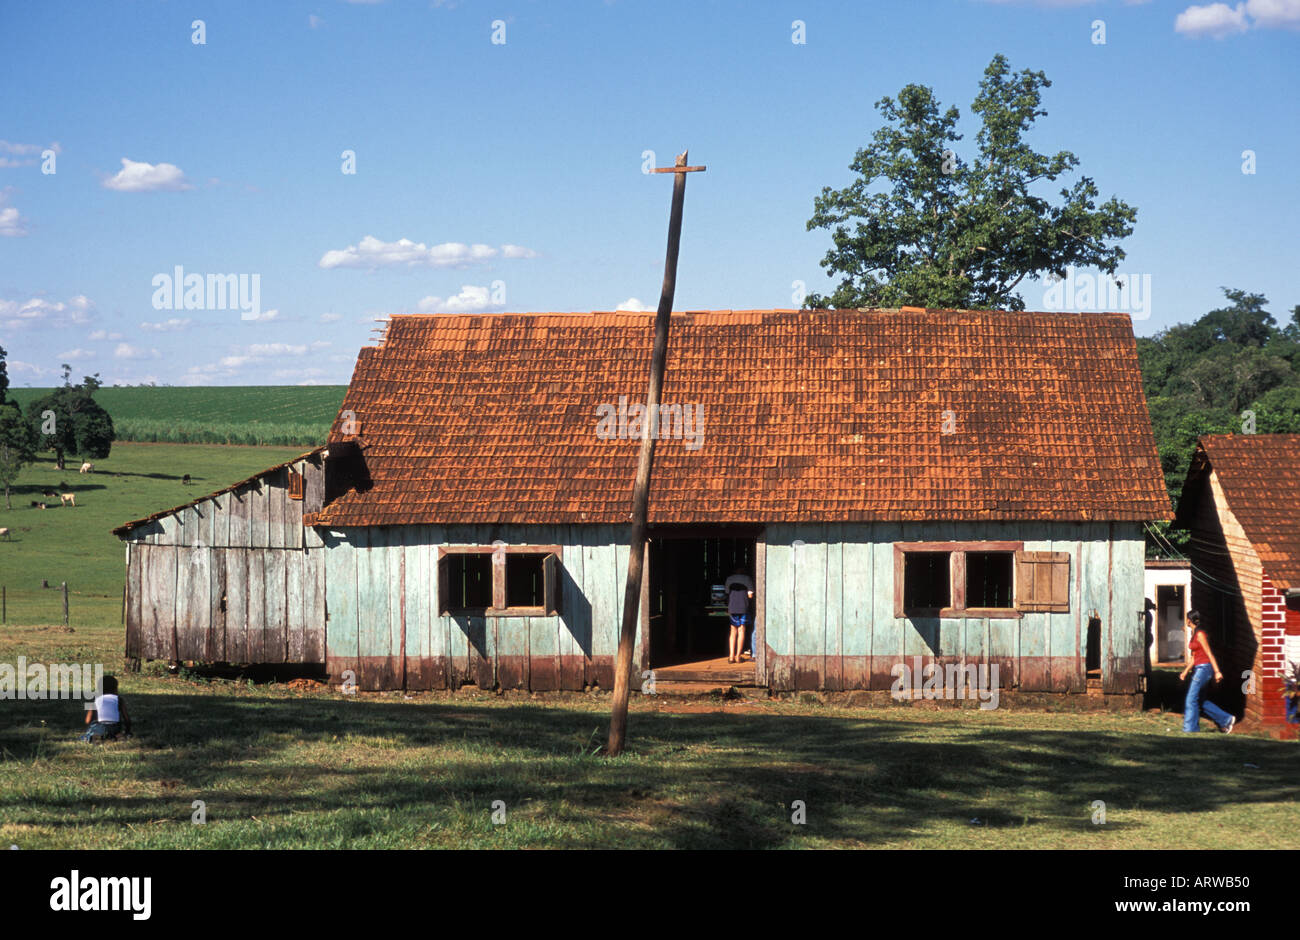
(226,158)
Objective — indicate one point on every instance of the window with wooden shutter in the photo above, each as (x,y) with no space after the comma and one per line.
(295,485)
(1043,582)
(499,581)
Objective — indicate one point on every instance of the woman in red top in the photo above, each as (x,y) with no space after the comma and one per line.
(1203,667)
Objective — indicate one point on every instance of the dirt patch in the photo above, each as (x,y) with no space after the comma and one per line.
(306,685)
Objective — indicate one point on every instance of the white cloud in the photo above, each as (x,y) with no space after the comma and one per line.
(471,299)
(313,21)
(263,316)
(104,335)
(255,355)
(167,326)
(633,305)
(147,177)
(23,154)
(1218,20)
(127,351)
(372,253)
(72,355)
(12,225)
(40,312)
(18,367)
(331,317)
(1274,14)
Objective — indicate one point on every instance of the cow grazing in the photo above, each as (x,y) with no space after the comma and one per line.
(4,534)
(87,468)
(69,499)
(185,480)
(48,494)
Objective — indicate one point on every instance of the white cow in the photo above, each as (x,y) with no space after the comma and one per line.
(87,468)
(68,499)
(4,534)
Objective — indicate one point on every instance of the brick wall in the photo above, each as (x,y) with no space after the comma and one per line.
(1275,621)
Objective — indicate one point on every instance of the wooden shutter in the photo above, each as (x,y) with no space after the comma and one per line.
(550,584)
(1043,581)
(295,485)
(444,585)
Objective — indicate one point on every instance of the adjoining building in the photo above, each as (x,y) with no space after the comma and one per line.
(1240,503)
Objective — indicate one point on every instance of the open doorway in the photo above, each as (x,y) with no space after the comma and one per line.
(688,607)
(1170,629)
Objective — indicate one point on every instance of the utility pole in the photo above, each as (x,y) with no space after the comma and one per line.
(641,488)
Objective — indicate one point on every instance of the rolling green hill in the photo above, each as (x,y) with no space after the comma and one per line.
(269,415)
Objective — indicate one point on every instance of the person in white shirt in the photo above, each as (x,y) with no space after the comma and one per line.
(108,718)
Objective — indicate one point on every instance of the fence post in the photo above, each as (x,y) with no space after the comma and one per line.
(4,605)
(65,603)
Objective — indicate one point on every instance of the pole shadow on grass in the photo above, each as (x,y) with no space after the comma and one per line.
(705,780)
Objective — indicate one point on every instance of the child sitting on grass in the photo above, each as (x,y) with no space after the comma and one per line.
(108,718)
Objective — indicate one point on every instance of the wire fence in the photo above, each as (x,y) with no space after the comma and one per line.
(49,605)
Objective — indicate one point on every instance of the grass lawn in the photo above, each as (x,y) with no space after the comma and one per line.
(282,767)
(279,767)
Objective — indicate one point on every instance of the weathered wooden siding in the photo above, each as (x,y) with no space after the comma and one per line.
(232,578)
(830,621)
(384,625)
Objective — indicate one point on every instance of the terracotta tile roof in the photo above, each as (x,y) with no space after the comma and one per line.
(808,415)
(1260,476)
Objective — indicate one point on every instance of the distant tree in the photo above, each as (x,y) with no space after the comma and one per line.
(943,232)
(4,376)
(1204,377)
(17,443)
(17,447)
(81,428)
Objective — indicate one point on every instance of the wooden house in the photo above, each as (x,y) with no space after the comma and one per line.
(1241,504)
(966,487)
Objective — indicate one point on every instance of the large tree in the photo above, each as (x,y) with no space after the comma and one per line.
(923,226)
(70,422)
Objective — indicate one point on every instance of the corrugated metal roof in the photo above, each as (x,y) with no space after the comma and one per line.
(807,415)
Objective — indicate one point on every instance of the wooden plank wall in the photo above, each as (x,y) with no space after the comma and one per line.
(384,625)
(233,578)
(830,622)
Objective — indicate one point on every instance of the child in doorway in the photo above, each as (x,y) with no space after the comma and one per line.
(108,718)
(740,590)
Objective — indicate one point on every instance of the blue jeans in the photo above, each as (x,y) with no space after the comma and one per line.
(108,730)
(1192,708)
